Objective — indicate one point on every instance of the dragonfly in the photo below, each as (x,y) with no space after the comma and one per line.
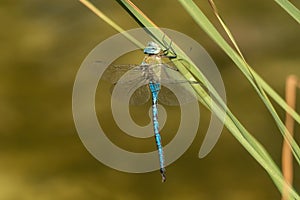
(154,76)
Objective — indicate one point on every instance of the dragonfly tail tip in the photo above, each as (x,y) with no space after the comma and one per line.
(163,176)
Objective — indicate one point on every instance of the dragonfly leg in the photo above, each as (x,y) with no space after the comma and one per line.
(169,49)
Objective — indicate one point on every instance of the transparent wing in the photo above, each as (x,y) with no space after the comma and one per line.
(133,80)
(137,96)
(140,96)
(130,81)
(176,89)
(114,72)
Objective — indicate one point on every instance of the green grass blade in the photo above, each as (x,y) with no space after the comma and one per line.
(290,9)
(206,25)
(250,74)
(235,127)
(199,17)
(110,22)
(265,160)
(142,19)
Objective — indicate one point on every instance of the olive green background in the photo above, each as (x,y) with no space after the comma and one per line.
(42,46)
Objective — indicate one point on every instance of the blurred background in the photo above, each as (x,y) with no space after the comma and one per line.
(43,44)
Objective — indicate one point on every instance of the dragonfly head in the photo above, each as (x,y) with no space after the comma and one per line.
(152,48)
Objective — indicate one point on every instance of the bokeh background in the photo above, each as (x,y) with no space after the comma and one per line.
(42,46)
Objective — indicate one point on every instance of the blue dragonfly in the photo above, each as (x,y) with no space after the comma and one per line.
(155,76)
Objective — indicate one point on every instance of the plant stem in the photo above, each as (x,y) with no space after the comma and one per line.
(287,158)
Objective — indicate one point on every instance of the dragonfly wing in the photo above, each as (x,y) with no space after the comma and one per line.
(114,72)
(133,85)
(175,87)
(167,97)
(176,94)
(140,96)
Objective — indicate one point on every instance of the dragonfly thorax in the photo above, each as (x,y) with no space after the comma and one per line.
(152,59)
(151,68)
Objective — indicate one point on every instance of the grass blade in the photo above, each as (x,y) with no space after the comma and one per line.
(290,9)
(110,22)
(235,127)
(250,74)
(255,149)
